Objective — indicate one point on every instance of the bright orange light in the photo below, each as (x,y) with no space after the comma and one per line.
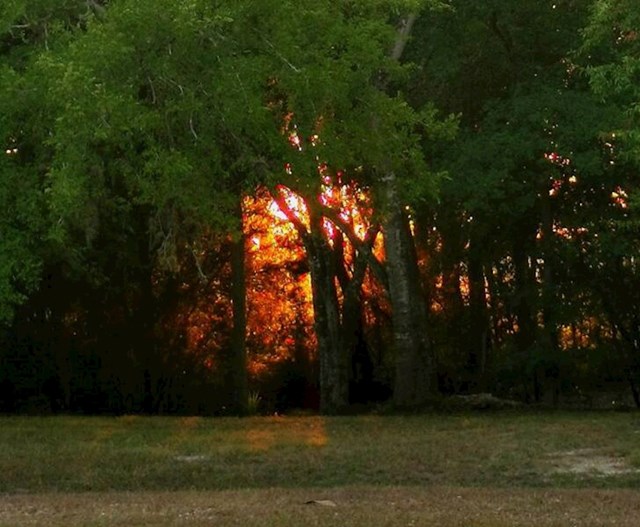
(280,307)
(294,203)
(280,312)
(620,198)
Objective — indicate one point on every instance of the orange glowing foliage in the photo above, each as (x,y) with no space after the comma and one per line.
(352,204)
(280,311)
(203,311)
(584,334)
(619,198)
(280,307)
(438,301)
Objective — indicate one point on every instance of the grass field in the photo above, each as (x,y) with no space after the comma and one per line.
(464,470)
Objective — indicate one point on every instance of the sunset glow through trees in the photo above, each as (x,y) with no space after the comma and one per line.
(209,204)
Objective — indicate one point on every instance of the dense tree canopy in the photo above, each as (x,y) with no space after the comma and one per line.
(217,206)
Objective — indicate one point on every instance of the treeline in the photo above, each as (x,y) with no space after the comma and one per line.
(223,207)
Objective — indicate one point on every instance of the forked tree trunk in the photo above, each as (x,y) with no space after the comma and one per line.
(333,360)
(334,381)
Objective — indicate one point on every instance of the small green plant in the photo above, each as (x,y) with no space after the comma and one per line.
(253,404)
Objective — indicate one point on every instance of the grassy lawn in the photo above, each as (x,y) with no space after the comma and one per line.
(475,469)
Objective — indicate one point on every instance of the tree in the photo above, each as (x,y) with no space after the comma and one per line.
(25,31)
(381,131)
(610,54)
(147,134)
(522,170)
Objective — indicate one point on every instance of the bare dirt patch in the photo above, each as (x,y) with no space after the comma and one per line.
(195,458)
(590,462)
(426,506)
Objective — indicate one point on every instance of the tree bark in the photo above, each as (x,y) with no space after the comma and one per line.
(525,310)
(479,340)
(334,361)
(238,361)
(334,383)
(415,375)
(550,301)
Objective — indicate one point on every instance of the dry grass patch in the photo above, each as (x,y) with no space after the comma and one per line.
(435,506)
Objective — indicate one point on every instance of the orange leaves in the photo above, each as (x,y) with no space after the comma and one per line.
(280,307)
(280,313)
(619,197)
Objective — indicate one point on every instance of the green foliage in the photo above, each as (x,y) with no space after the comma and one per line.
(610,50)
(147,101)
(21,203)
(330,62)
(132,127)
(20,224)
(27,29)
(179,107)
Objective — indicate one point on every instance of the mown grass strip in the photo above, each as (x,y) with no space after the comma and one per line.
(76,454)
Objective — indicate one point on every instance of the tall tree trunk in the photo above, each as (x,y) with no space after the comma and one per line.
(356,350)
(334,361)
(239,331)
(549,302)
(415,374)
(478,319)
(525,311)
(334,382)
(450,254)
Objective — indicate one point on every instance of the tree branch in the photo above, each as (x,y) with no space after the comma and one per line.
(363,247)
(404,30)
(290,214)
(97,8)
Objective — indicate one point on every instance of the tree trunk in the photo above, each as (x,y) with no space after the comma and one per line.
(525,312)
(550,302)
(334,378)
(478,320)
(334,383)
(415,375)
(450,254)
(355,347)
(239,330)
